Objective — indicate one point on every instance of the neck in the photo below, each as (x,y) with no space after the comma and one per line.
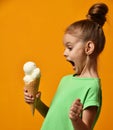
(90,68)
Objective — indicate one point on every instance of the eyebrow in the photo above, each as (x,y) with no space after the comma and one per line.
(68,43)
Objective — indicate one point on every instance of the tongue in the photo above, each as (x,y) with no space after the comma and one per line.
(73,67)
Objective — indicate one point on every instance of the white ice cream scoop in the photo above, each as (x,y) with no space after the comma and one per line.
(29,67)
(31,71)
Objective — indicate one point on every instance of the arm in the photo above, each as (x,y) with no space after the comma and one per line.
(88,116)
(40,106)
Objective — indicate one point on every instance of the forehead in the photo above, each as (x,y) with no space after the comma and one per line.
(69,38)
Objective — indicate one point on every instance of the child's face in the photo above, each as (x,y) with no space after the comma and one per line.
(75,52)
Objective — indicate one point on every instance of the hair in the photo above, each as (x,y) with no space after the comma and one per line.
(90,29)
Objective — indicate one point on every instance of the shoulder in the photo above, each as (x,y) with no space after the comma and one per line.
(94,87)
(67,77)
(95,84)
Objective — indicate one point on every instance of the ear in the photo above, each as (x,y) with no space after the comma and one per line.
(89,48)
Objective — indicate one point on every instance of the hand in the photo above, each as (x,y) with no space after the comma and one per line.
(29,98)
(75,110)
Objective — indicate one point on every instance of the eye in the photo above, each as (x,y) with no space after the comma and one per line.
(70,48)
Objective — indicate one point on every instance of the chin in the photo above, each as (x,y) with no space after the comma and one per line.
(77,72)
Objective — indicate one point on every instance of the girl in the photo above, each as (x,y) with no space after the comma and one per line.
(77,102)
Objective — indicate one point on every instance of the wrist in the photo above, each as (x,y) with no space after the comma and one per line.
(38,103)
(75,119)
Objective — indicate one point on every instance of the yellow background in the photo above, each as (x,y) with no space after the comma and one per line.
(33,30)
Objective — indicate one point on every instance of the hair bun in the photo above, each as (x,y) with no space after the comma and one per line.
(97,13)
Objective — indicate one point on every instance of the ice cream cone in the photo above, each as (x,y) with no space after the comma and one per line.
(32,89)
(32,80)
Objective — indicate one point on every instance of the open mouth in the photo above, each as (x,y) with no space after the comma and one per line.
(73,64)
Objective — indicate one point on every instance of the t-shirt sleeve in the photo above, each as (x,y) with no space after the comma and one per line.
(93,97)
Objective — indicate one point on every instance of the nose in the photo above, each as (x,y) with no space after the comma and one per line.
(65,53)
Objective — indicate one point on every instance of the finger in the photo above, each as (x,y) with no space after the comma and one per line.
(25,90)
(26,94)
(73,116)
(78,100)
(77,103)
(76,108)
(38,94)
(73,108)
(29,99)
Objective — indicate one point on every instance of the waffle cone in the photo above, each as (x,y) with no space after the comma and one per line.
(32,89)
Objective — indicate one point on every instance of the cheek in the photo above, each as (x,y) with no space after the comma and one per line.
(74,56)
(80,57)
(78,52)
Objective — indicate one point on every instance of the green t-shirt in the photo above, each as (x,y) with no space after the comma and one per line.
(71,88)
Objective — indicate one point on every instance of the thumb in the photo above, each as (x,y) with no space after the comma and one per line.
(78,100)
(38,95)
